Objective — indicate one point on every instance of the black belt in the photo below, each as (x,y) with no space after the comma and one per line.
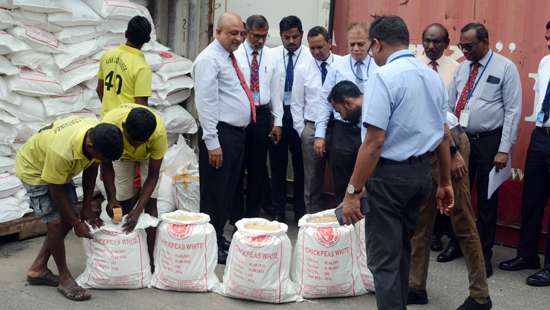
(408,161)
(477,136)
(543,130)
(228,126)
(344,123)
(306,121)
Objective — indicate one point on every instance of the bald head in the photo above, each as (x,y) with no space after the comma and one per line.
(230,31)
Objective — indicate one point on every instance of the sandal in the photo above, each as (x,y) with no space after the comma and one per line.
(74,292)
(48,279)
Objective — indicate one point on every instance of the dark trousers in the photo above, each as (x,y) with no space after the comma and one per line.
(484,148)
(395,193)
(278,158)
(345,140)
(536,190)
(219,186)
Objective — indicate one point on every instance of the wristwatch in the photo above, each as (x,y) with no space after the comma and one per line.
(351,190)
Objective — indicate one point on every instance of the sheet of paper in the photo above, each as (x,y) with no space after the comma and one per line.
(497,178)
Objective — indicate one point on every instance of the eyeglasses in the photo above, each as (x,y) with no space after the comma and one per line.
(467,46)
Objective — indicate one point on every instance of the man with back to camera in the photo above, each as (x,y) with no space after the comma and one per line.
(288,56)
(403,119)
(46,165)
(225,106)
(535,185)
(357,67)
(124,75)
(485,95)
(435,39)
(305,104)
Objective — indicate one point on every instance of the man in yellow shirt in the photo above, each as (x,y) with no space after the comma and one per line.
(124,75)
(46,164)
(145,142)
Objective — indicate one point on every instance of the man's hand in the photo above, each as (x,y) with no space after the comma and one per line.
(215,158)
(351,209)
(131,220)
(91,217)
(277,133)
(319,147)
(82,230)
(501,159)
(458,166)
(445,199)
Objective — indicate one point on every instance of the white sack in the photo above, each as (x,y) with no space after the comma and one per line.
(72,100)
(38,20)
(38,39)
(34,60)
(78,14)
(9,185)
(76,52)
(178,120)
(6,67)
(10,44)
(26,109)
(79,72)
(7,132)
(173,65)
(174,85)
(34,83)
(366,275)
(6,164)
(6,21)
(186,253)
(77,34)
(12,208)
(41,6)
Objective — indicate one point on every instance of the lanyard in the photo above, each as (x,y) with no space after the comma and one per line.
(259,69)
(360,78)
(401,56)
(295,60)
(328,63)
(471,91)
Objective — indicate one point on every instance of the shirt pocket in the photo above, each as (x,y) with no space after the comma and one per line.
(491,91)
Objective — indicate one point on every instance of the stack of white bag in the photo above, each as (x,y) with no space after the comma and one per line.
(115,259)
(185,253)
(326,258)
(13,201)
(258,264)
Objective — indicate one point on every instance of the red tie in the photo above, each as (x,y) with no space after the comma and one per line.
(466,91)
(254,74)
(434,65)
(244,86)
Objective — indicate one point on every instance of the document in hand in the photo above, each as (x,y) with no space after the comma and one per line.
(497,178)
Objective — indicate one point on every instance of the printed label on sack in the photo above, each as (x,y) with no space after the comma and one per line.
(180,231)
(258,241)
(327,236)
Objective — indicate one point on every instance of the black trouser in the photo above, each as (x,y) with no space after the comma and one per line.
(345,140)
(218,186)
(536,190)
(278,158)
(484,147)
(396,190)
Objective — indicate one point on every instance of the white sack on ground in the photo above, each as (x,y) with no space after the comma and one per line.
(186,253)
(366,275)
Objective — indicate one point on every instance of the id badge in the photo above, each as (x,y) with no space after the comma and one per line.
(540,118)
(256,97)
(464,118)
(286,99)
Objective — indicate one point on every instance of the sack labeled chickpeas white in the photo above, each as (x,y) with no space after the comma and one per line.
(326,258)
(258,264)
(186,253)
(115,259)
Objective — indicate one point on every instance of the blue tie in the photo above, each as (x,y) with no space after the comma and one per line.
(323,72)
(546,104)
(289,78)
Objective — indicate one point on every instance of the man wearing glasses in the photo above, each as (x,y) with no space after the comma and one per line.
(485,95)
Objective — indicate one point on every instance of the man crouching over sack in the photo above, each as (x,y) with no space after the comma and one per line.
(46,164)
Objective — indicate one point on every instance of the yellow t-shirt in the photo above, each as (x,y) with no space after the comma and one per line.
(154,147)
(125,75)
(54,155)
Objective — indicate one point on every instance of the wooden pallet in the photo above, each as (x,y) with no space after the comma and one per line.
(26,227)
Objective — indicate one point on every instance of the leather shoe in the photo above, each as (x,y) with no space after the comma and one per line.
(488,270)
(281,218)
(451,252)
(540,278)
(471,304)
(224,244)
(417,297)
(222,257)
(437,245)
(519,263)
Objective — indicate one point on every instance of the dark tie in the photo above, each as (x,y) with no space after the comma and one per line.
(434,65)
(244,86)
(465,96)
(323,72)
(289,78)
(546,104)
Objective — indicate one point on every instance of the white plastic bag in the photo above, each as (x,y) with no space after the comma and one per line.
(186,253)
(177,156)
(10,44)
(173,65)
(366,275)
(78,14)
(9,185)
(38,39)
(34,83)
(116,260)
(6,67)
(258,264)
(178,120)
(325,258)
(165,195)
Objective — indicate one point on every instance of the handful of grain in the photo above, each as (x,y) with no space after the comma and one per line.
(267,227)
(185,217)
(323,219)
(117,215)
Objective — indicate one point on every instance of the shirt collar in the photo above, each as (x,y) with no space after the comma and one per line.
(329,60)
(398,54)
(296,52)
(77,144)
(353,61)
(250,49)
(483,61)
(220,48)
(130,49)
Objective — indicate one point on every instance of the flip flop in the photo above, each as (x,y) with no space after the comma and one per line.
(49,279)
(74,292)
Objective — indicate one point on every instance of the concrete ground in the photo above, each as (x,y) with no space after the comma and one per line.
(447,287)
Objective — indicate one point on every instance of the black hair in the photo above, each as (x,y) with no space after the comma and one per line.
(290,22)
(440,26)
(138,31)
(140,124)
(343,90)
(481,32)
(256,21)
(390,29)
(318,30)
(548,25)
(107,140)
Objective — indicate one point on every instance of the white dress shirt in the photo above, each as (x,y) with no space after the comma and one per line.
(305,99)
(446,67)
(270,78)
(342,69)
(301,55)
(219,96)
(540,86)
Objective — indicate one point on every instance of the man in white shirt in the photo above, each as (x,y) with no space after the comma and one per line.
(536,184)
(288,56)
(263,75)
(304,104)
(225,107)
(357,67)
